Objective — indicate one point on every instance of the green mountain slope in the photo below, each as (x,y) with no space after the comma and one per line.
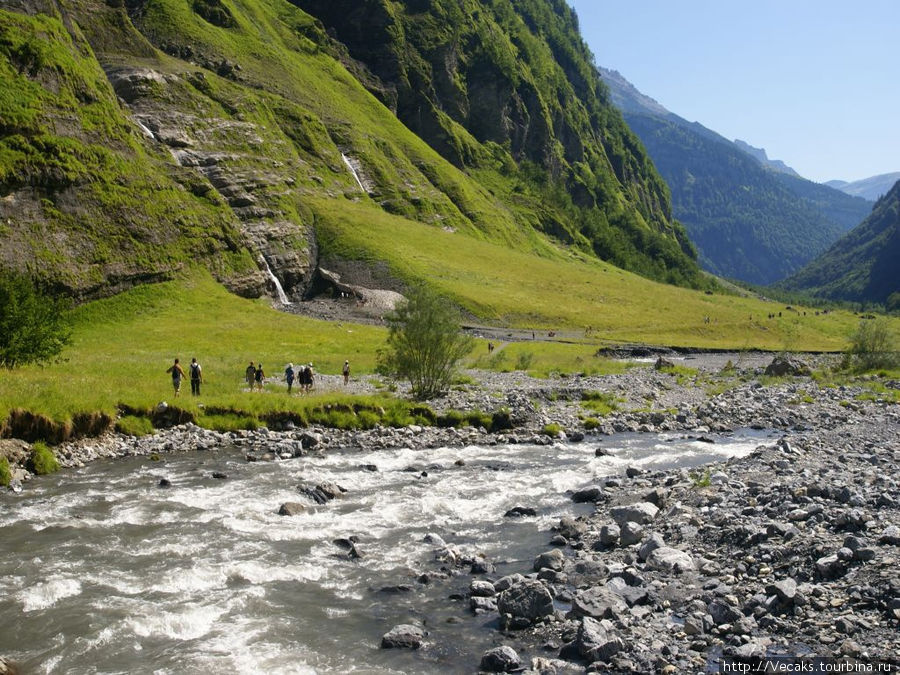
(142,136)
(862,265)
(748,221)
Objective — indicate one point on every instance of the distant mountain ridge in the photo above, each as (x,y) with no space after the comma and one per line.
(749,220)
(872,188)
(862,265)
(760,155)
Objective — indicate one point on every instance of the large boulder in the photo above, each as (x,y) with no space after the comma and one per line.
(787,365)
(403,636)
(529,599)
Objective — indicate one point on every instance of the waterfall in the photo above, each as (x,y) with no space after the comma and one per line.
(282,296)
(353,171)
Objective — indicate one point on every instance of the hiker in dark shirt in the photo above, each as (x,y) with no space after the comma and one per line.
(289,376)
(250,375)
(177,375)
(260,376)
(196,377)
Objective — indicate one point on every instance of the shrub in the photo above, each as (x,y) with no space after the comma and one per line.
(33,327)
(42,460)
(424,343)
(5,473)
(591,423)
(131,425)
(551,430)
(524,361)
(872,345)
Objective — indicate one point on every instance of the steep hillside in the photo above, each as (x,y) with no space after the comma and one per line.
(862,265)
(138,137)
(748,221)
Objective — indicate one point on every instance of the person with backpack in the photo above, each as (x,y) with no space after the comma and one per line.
(346,373)
(260,376)
(289,376)
(309,378)
(250,375)
(196,377)
(177,375)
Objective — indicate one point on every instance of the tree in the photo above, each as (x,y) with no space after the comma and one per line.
(33,326)
(872,346)
(424,343)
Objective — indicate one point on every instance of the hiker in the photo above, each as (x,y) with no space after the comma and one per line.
(289,376)
(196,377)
(177,375)
(250,375)
(346,373)
(309,377)
(260,376)
(490,347)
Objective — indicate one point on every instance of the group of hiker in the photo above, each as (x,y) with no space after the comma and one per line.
(254,375)
(178,375)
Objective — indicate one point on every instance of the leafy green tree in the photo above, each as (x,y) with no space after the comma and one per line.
(33,326)
(872,346)
(424,344)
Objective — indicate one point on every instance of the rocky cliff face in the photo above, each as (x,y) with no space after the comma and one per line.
(141,136)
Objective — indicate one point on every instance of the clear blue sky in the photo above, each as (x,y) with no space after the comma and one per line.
(814,82)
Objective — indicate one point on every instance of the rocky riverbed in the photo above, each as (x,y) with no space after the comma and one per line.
(791,550)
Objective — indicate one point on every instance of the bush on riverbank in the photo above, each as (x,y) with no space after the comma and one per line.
(42,460)
(5,473)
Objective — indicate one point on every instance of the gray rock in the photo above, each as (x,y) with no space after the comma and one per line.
(631,533)
(570,528)
(785,590)
(669,559)
(500,660)
(528,599)
(403,636)
(787,365)
(641,513)
(890,536)
(654,542)
(590,494)
(829,566)
(553,560)
(723,613)
(291,509)
(609,534)
(484,605)
(598,602)
(482,588)
(596,641)
(507,582)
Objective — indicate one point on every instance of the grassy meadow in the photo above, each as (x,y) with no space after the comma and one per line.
(122,345)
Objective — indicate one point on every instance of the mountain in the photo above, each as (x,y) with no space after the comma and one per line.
(748,221)
(760,155)
(138,137)
(862,265)
(872,188)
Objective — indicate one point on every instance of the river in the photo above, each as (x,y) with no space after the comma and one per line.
(102,570)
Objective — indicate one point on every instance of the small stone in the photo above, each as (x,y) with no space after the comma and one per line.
(291,509)
(609,534)
(641,513)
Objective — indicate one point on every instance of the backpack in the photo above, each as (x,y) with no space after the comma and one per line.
(195,371)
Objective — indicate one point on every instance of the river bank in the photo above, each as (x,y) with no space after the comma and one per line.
(792,549)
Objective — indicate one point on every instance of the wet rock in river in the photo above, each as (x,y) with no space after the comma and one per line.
(519,511)
(291,509)
(403,636)
(529,600)
(502,659)
(590,494)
